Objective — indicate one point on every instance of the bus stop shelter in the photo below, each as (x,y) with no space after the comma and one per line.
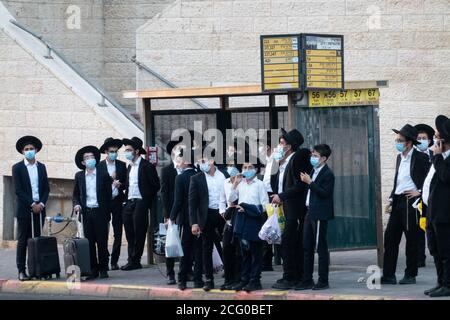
(347,120)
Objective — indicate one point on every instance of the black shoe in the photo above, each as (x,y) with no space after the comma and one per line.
(277,261)
(23,276)
(252,286)
(131,266)
(182,285)
(407,280)
(427,292)
(209,285)
(441,292)
(239,286)
(92,276)
(267,268)
(190,277)
(321,286)
(114,266)
(198,285)
(171,281)
(104,274)
(388,280)
(421,264)
(226,285)
(304,285)
(284,285)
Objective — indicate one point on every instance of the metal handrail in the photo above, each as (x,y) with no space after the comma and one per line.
(105,96)
(161,78)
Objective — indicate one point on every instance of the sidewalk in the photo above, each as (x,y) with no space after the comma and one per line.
(347,281)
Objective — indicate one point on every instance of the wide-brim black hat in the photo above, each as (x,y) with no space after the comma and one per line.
(80,153)
(443,126)
(409,132)
(22,142)
(136,143)
(422,127)
(173,143)
(111,142)
(293,137)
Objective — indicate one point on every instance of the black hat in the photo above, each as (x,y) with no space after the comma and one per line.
(293,137)
(422,127)
(82,151)
(110,142)
(173,143)
(136,143)
(409,132)
(443,126)
(22,142)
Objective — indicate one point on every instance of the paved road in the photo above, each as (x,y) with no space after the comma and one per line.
(22,296)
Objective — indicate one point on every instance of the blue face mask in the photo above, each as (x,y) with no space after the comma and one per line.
(179,170)
(129,155)
(90,163)
(400,146)
(315,161)
(205,167)
(112,156)
(423,146)
(248,174)
(232,171)
(279,153)
(30,154)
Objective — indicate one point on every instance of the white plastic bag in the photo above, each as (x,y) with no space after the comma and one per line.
(217,261)
(271,231)
(173,242)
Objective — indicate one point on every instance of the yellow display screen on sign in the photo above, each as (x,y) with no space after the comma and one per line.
(338,98)
(324,61)
(280,58)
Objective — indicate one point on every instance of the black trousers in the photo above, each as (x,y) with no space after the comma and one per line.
(252,261)
(192,255)
(95,226)
(267,254)
(421,246)
(23,234)
(232,256)
(438,236)
(309,247)
(135,221)
(117,224)
(292,250)
(403,219)
(170,267)
(214,222)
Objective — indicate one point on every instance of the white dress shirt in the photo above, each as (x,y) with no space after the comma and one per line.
(281,175)
(215,185)
(111,166)
(404,180)
(34,179)
(313,178)
(253,192)
(224,194)
(133,184)
(268,173)
(427,182)
(91,189)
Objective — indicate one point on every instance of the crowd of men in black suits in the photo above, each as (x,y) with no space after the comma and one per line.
(224,207)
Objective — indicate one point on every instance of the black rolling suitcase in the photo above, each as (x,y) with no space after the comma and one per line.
(76,253)
(43,258)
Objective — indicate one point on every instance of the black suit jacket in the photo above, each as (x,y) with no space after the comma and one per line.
(121,175)
(168,175)
(22,184)
(439,199)
(321,205)
(180,209)
(148,181)
(294,189)
(420,164)
(104,191)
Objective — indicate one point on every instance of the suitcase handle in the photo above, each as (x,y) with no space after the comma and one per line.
(32,223)
(80,226)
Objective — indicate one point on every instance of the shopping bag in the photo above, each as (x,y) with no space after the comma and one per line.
(271,231)
(173,242)
(217,261)
(274,208)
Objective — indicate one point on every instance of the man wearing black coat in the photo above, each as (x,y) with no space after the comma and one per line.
(117,170)
(141,187)
(411,169)
(32,190)
(436,191)
(289,191)
(92,195)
